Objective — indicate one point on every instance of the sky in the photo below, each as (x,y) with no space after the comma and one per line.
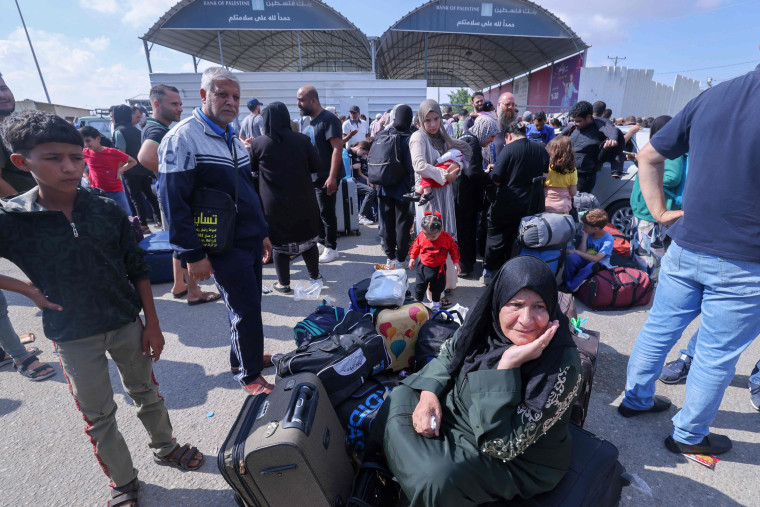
(91,56)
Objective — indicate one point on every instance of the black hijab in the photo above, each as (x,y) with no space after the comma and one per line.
(276,121)
(402,118)
(658,123)
(481,342)
(122,115)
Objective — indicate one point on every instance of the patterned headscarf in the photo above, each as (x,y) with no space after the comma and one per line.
(483,128)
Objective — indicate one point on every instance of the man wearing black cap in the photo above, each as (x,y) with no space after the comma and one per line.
(253,124)
(354,129)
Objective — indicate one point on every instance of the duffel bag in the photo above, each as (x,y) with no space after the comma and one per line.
(546,229)
(439,328)
(387,287)
(616,288)
(353,353)
(357,296)
(358,412)
(399,327)
(319,324)
(584,202)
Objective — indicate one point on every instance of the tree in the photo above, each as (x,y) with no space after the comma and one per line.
(461,96)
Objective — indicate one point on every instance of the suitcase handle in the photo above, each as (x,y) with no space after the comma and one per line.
(278,470)
(302,408)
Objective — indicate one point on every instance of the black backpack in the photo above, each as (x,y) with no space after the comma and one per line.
(431,336)
(384,163)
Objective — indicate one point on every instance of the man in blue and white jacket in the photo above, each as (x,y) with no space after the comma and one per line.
(203,151)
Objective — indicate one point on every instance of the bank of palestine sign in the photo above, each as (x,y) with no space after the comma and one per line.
(505,17)
(256,15)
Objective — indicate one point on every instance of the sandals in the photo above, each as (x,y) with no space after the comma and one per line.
(124,495)
(208,297)
(36,374)
(445,302)
(285,289)
(35,351)
(181,457)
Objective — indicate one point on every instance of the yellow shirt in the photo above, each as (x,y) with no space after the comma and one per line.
(558,180)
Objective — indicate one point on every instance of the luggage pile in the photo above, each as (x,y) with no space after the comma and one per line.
(308,442)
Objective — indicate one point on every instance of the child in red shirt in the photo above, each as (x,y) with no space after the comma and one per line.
(105,167)
(432,246)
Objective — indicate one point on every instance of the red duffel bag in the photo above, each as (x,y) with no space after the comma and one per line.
(616,288)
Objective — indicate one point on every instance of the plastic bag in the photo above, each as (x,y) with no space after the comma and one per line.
(387,288)
(307,290)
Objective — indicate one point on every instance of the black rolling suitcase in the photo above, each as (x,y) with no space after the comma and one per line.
(588,348)
(287,448)
(595,478)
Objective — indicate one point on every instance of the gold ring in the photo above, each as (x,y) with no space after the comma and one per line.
(543,345)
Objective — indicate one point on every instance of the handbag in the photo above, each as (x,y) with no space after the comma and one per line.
(214,214)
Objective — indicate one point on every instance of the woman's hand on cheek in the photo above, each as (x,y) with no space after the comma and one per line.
(428,408)
(516,355)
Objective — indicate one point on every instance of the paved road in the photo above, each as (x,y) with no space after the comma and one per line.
(47,458)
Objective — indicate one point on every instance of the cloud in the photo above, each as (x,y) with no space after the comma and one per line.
(76,72)
(104,6)
(146,12)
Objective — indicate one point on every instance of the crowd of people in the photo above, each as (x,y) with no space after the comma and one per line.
(463,182)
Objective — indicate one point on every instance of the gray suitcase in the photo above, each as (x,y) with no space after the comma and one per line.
(287,448)
(347,207)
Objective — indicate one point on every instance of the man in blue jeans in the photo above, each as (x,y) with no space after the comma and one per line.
(678,370)
(712,267)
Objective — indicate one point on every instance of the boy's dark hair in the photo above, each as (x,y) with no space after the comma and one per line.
(555,122)
(596,218)
(24,131)
(432,223)
(607,114)
(581,109)
(561,154)
(90,131)
(517,128)
(540,116)
(159,91)
(599,107)
(365,145)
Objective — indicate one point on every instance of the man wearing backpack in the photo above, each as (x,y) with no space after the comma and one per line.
(390,167)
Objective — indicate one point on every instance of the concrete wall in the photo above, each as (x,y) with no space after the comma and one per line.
(633,92)
(335,89)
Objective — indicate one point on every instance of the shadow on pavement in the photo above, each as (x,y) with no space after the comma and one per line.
(183,385)
(679,486)
(8,406)
(153,495)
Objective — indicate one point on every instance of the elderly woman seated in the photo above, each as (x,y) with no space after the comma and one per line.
(487,420)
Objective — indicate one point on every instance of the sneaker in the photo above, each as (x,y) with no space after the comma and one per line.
(676,371)
(412,197)
(486,278)
(320,248)
(754,395)
(329,255)
(365,221)
(712,444)
(391,263)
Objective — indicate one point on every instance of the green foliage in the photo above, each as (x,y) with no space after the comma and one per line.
(461,96)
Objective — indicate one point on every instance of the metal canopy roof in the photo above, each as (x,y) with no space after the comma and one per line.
(447,42)
(259,36)
(474,44)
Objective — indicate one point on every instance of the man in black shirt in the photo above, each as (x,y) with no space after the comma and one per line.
(12,179)
(167,108)
(592,139)
(326,133)
(616,156)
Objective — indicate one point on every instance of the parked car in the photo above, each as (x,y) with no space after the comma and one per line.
(615,194)
(102,123)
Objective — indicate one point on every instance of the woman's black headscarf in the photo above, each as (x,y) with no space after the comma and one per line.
(481,342)
(122,115)
(276,121)
(658,123)
(402,118)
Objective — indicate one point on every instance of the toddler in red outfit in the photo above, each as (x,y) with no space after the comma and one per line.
(432,246)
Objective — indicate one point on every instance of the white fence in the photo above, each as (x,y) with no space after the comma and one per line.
(633,92)
(339,90)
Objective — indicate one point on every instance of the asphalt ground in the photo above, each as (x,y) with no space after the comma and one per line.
(48,460)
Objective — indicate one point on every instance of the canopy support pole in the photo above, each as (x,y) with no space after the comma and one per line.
(426,57)
(373,49)
(300,63)
(551,79)
(221,55)
(147,56)
(195,64)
